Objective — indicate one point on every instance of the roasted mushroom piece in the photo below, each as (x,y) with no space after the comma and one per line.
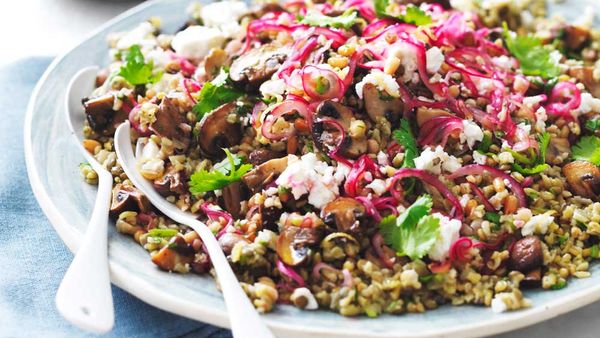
(171,123)
(232,199)
(379,107)
(174,256)
(171,183)
(585,74)
(345,213)
(257,65)
(213,62)
(262,155)
(575,37)
(229,239)
(126,197)
(327,135)
(294,244)
(100,113)
(338,246)
(256,178)
(584,178)
(217,132)
(425,114)
(526,254)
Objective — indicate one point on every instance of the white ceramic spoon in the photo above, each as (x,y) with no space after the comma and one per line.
(84,296)
(244,320)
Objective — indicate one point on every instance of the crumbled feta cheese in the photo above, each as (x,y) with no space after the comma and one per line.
(307,175)
(195,42)
(479,158)
(505,158)
(378,186)
(273,89)
(311,302)
(266,238)
(449,233)
(158,56)
(224,15)
(408,60)
(555,56)
(537,224)
(471,133)
(383,82)
(435,58)
(436,160)
(540,119)
(142,35)
(382,158)
(498,305)
(504,62)
(588,104)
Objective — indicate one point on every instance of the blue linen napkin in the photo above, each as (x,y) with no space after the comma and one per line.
(33,259)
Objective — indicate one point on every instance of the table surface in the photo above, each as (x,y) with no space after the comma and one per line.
(66,22)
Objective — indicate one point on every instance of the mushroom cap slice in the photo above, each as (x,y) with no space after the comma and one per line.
(326,135)
(293,244)
(345,213)
(127,197)
(171,123)
(526,254)
(378,107)
(256,178)
(584,179)
(425,114)
(257,65)
(216,132)
(585,74)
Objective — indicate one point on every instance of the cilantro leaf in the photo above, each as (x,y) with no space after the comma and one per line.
(414,232)
(135,69)
(215,94)
(492,217)
(592,125)
(412,15)
(162,232)
(538,163)
(587,149)
(346,20)
(485,144)
(203,180)
(404,136)
(533,57)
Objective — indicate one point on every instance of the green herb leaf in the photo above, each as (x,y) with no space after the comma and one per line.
(485,144)
(346,20)
(559,285)
(538,168)
(404,136)
(592,125)
(414,232)
(413,14)
(203,180)
(587,149)
(135,70)
(492,217)
(538,162)
(215,94)
(533,57)
(162,232)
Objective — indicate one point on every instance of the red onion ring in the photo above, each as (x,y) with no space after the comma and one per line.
(564,97)
(312,77)
(290,273)
(377,243)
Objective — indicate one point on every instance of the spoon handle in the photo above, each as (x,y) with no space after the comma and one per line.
(243,317)
(84,296)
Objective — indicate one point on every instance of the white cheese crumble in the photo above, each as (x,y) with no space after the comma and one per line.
(479,158)
(141,35)
(537,224)
(588,104)
(498,305)
(195,42)
(378,186)
(408,60)
(383,82)
(273,89)
(449,233)
(307,175)
(224,15)
(471,133)
(435,58)
(266,238)
(505,158)
(435,160)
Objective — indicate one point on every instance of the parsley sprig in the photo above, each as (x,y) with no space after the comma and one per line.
(224,173)
(533,57)
(346,20)
(404,136)
(135,70)
(537,163)
(414,232)
(214,94)
(412,15)
(587,149)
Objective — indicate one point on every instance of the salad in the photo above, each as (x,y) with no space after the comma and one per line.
(364,157)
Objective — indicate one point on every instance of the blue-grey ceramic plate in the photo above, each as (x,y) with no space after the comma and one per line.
(52,162)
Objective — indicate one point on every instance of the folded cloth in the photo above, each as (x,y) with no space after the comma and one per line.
(32,256)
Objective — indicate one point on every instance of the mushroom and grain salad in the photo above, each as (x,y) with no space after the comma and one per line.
(365,157)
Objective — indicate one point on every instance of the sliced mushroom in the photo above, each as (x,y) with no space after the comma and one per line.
(174,256)
(213,62)
(327,135)
(258,65)
(171,123)
(425,114)
(126,197)
(256,178)
(533,279)
(584,178)
(232,199)
(217,132)
(559,146)
(379,107)
(100,114)
(585,74)
(575,37)
(444,3)
(171,183)
(345,213)
(526,254)
(229,239)
(338,246)
(262,155)
(294,244)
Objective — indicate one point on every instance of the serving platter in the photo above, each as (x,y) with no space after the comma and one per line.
(52,163)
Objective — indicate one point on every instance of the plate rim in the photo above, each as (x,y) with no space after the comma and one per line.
(144,291)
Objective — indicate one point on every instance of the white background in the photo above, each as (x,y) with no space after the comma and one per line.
(51,27)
